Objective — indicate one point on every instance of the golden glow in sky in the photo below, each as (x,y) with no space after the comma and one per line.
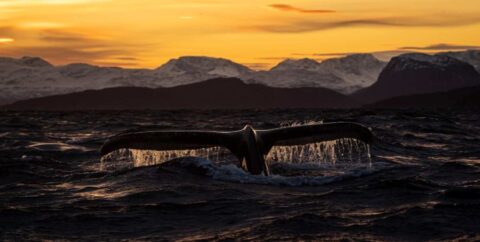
(146,33)
(6,40)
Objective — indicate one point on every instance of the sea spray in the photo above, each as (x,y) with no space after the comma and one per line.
(296,123)
(343,152)
(129,158)
(328,152)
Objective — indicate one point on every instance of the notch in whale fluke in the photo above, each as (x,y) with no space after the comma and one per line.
(249,145)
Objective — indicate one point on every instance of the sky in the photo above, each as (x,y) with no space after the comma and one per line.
(259,33)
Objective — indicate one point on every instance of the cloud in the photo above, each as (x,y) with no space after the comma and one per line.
(126,58)
(17,3)
(6,31)
(311,25)
(69,38)
(41,25)
(441,47)
(286,7)
(62,47)
(384,55)
(335,54)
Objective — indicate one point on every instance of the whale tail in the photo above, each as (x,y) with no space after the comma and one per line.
(250,146)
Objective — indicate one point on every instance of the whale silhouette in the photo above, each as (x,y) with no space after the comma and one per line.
(249,145)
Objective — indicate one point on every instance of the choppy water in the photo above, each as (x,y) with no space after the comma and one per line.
(422,182)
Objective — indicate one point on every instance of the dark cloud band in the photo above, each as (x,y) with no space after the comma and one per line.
(286,7)
(311,25)
(441,47)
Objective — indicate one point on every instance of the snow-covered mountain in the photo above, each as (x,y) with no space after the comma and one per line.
(291,76)
(95,77)
(345,75)
(417,73)
(358,71)
(181,71)
(30,77)
(299,64)
(190,69)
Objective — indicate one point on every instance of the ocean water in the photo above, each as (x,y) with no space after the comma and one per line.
(421,182)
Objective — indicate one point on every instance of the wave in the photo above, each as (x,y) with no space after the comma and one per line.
(232,173)
(57,146)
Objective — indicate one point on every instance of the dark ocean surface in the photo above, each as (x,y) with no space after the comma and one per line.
(422,182)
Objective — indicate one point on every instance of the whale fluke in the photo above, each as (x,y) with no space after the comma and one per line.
(249,145)
(306,134)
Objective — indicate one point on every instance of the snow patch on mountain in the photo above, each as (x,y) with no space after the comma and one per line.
(300,64)
(190,69)
(358,70)
(472,57)
(345,75)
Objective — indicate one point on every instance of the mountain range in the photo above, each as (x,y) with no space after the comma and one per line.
(357,79)
(31,77)
(344,75)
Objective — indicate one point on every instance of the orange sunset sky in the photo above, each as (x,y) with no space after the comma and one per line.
(147,33)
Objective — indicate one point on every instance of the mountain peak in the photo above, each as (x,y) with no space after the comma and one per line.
(296,64)
(440,60)
(26,61)
(354,60)
(213,65)
(360,57)
(189,69)
(34,62)
(199,62)
(417,73)
(366,58)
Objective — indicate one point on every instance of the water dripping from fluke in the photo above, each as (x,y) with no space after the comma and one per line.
(331,144)
(130,158)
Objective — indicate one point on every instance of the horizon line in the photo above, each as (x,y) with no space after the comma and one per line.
(377,54)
